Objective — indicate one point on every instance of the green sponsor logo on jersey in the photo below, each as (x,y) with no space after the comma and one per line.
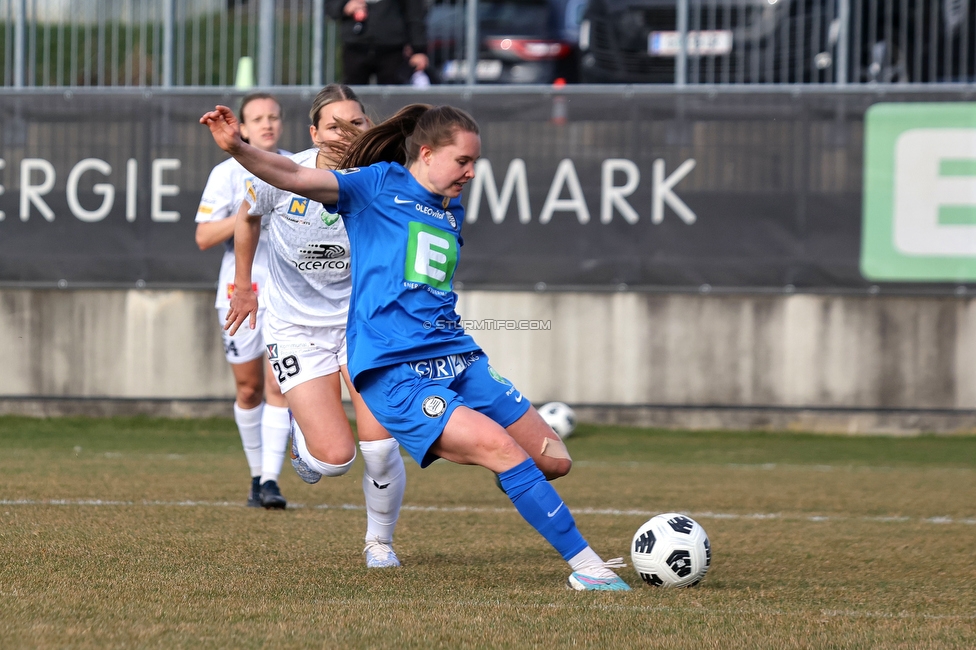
(328,218)
(920,192)
(432,256)
(494,375)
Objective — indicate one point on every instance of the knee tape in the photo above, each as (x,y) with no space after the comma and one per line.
(555,448)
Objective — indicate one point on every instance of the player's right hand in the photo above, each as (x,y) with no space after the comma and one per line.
(224,128)
(243,306)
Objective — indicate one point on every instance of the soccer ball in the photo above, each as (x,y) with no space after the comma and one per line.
(560,417)
(671,550)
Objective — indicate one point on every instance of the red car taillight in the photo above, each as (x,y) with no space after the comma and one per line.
(528,49)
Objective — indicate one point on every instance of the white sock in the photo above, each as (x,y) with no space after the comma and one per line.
(249,425)
(384,482)
(325,469)
(588,562)
(275,426)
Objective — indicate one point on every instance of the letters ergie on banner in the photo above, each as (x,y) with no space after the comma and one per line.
(663,191)
(38,179)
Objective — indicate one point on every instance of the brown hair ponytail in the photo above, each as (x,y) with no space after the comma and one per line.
(398,139)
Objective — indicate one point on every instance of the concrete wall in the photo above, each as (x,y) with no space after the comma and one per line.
(161,344)
(667,350)
(680,349)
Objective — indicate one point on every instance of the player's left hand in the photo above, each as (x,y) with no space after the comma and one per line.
(243,306)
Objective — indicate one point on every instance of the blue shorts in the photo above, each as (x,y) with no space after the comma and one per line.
(415,400)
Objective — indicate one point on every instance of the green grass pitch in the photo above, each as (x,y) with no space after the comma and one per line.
(132,532)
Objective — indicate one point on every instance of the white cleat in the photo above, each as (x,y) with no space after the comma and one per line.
(599,577)
(380,555)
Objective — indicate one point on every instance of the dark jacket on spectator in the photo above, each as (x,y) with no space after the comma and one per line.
(389,23)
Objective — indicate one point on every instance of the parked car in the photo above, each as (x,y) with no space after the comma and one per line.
(637,41)
(522,41)
(918,41)
(777,41)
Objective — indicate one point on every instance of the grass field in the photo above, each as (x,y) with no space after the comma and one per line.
(132,532)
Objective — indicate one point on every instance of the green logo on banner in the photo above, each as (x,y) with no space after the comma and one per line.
(920,192)
(432,256)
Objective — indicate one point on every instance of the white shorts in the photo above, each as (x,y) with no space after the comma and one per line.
(247,344)
(299,353)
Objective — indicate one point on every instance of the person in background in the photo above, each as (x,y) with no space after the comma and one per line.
(305,324)
(385,38)
(260,410)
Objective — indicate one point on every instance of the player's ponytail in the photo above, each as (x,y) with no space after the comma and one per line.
(398,139)
(385,142)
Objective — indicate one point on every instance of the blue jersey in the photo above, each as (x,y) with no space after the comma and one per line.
(405,248)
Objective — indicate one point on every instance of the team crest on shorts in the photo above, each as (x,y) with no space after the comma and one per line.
(272,351)
(494,375)
(434,406)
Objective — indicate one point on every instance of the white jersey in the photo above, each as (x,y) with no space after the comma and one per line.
(310,279)
(222,197)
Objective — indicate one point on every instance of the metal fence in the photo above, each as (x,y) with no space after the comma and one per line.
(290,42)
(780,41)
(164,42)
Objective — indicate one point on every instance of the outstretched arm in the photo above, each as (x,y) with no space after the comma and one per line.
(317,184)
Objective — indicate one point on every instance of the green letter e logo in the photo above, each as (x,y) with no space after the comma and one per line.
(431,256)
(920,192)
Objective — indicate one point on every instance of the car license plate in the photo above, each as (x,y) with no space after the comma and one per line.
(704,43)
(486,70)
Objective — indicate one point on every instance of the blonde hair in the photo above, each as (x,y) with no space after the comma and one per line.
(332,94)
(329,95)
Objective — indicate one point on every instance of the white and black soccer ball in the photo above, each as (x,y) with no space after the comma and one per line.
(671,550)
(560,417)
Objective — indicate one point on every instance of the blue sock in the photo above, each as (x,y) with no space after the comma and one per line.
(542,507)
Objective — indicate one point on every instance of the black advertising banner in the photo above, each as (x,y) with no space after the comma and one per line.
(636,188)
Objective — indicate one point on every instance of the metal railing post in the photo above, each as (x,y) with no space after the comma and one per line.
(681,61)
(844,16)
(471,42)
(20,42)
(330,64)
(266,32)
(318,40)
(169,33)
